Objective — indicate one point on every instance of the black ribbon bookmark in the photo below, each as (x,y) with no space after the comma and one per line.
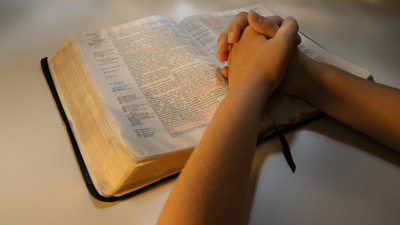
(286,149)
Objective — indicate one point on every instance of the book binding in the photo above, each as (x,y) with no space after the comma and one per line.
(82,166)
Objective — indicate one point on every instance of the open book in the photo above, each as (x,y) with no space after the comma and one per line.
(138,97)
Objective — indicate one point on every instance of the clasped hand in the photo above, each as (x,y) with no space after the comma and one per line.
(263,50)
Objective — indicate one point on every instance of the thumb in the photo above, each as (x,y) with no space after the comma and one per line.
(284,41)
(268,26)
(262,25)
(288,32)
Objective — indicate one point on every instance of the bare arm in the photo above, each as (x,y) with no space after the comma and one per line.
(370,107)
(212,188)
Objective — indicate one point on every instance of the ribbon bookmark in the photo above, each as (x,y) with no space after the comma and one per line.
(286,149)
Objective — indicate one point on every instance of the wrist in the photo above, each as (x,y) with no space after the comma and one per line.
(314,81)
(255,95)
(308,73)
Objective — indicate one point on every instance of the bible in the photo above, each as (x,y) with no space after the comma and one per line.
(136,98)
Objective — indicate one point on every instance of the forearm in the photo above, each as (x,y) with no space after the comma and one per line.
(212,188)
(367,106)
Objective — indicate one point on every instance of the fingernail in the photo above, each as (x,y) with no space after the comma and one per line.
(230,37)
(255,15)
(292,19)
(219,44)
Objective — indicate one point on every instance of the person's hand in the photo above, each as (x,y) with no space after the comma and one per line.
(265,25)
(258,62)
(268,26)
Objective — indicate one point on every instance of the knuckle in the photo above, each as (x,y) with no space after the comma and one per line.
(223,35)
(241,14)
(283,44)
(277,19)
(247,29)
(268,22)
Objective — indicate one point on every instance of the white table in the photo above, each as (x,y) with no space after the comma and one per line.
(342,177)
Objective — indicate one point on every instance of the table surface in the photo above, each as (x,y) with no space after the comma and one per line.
(342,177)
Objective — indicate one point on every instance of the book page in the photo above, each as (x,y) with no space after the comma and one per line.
(158,87)
(159,80)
